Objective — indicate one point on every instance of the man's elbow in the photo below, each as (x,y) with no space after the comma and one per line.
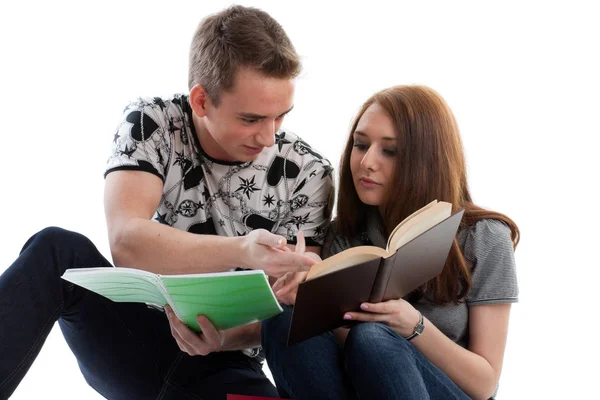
(119,240)
(119,259)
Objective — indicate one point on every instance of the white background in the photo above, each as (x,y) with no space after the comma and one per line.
(522,79)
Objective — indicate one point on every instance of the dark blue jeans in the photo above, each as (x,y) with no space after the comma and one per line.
(124,350)
(375,363)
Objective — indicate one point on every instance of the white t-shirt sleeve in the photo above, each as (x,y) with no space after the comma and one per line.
(138,143)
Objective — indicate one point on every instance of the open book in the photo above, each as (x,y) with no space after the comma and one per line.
(415,253)
(228,299)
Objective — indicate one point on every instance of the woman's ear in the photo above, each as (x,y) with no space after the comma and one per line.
(198,100)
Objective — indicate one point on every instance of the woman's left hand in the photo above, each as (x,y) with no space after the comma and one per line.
(399,315)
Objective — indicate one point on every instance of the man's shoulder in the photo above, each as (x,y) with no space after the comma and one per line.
(158,105)
(291,146)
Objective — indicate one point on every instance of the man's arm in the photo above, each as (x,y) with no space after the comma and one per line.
(130,200)
(211,340)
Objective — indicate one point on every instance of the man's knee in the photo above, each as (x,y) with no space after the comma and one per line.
(55,237)
(61,249)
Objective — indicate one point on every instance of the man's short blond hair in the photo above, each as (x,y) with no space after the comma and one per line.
(239,37)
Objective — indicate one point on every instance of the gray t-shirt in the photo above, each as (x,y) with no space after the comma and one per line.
(488,250)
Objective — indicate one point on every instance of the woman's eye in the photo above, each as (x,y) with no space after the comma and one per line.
(360,146)
(389,152)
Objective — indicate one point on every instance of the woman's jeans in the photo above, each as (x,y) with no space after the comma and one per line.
(124,350)
(375,363)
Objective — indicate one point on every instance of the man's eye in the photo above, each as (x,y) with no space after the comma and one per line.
(249,120)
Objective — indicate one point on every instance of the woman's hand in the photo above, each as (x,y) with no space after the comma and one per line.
(399,315)
(286,287)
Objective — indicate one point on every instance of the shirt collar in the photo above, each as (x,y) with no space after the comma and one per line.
(375,229)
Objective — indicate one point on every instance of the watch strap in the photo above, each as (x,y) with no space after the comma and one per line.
(418,328)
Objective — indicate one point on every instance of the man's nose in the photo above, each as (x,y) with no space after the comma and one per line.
(266,136)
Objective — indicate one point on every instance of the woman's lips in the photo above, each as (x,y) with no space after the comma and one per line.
(368,183)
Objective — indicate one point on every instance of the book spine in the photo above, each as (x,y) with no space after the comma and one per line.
(160,285)
(381,279)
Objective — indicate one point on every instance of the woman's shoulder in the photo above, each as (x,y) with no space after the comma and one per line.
(484,236)
(488,247)
(485,226)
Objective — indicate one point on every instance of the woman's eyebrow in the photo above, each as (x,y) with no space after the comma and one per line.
(385,138)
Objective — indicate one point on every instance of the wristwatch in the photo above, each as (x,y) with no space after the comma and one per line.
(418,328)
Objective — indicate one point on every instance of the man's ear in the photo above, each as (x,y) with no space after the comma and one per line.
(199,100)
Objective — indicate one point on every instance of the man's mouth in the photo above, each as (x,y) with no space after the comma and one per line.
(253,150)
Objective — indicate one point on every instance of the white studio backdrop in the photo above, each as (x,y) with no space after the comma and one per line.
(521,77)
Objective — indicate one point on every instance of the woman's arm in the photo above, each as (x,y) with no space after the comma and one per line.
(475,370)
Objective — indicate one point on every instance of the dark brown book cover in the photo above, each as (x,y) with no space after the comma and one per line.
(322,301)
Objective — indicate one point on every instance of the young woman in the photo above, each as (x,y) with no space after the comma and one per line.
(404,151)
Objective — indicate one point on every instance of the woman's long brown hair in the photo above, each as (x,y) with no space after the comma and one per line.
(430,165)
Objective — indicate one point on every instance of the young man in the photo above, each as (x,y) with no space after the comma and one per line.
(203,182)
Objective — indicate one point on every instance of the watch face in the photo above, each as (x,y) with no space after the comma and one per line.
(419,329)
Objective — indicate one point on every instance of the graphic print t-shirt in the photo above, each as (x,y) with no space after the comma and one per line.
(286,189)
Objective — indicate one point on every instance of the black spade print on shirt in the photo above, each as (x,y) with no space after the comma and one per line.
(146,166)
(193,177)
(255,221)
(281,167)
(150,126)
(203,228)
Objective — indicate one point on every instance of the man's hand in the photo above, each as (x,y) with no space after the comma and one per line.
(267,251)
(286,287)
(212,340)
(195,344)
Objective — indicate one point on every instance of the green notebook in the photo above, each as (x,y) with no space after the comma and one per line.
(228,299)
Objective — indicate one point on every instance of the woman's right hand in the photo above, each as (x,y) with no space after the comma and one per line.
(286,287)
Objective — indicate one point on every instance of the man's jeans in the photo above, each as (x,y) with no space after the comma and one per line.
(124,350)
(375,363)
